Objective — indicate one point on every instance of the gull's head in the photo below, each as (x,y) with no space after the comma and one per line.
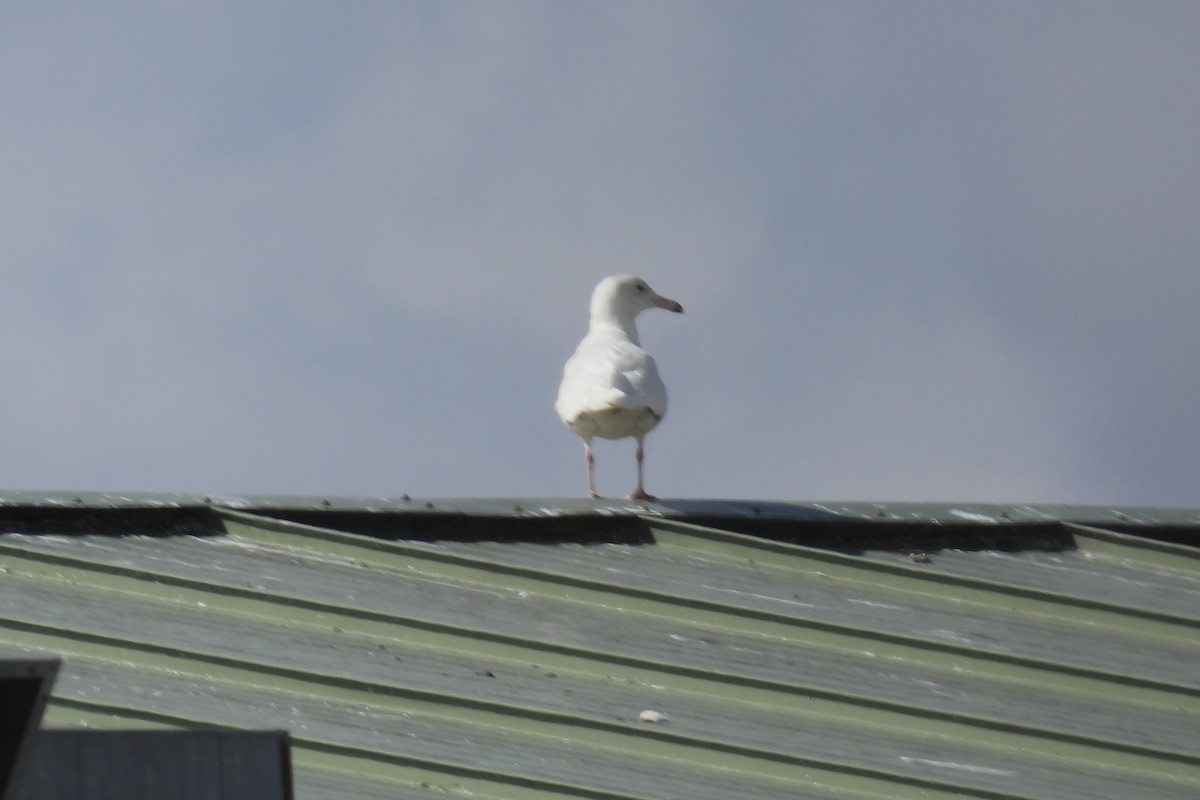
(628,296)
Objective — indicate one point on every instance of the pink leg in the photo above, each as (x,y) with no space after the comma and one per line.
(640,493)
(591,470)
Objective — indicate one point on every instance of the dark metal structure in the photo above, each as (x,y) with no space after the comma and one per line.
(25,683)
(158,765)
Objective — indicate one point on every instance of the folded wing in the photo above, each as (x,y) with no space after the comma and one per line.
(605,378)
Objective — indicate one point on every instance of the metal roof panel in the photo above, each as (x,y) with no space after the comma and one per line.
(499,653)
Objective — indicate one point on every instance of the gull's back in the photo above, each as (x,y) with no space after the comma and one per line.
(611,388)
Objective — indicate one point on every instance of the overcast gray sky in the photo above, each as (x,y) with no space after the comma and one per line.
(928,251)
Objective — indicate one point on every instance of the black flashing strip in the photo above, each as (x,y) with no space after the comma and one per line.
(853,527)
(146,521)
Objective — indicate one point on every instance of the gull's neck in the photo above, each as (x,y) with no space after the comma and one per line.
(608,324)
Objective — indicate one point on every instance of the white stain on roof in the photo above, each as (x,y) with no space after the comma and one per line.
(955,765)
(972,516)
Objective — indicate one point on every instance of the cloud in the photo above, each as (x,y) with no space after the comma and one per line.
(932,254)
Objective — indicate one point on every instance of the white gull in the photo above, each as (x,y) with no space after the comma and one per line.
(611,387)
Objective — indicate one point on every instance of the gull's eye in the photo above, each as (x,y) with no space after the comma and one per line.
(641,287)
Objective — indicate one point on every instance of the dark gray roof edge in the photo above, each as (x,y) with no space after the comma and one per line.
(679,508)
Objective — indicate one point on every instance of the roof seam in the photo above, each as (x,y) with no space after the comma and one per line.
(917,574)
(671,601)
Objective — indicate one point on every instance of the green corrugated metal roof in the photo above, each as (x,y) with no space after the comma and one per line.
(507,648)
